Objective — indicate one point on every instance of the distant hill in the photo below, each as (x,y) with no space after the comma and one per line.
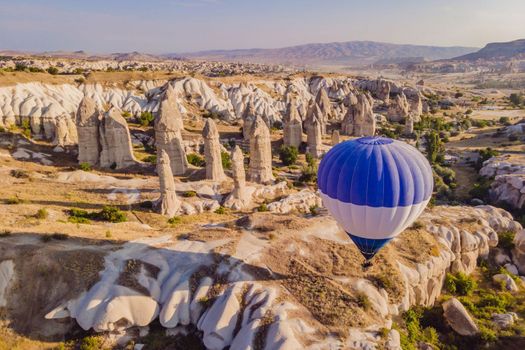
(339,53)
(502,51)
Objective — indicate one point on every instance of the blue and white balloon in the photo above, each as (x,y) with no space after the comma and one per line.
(375,187)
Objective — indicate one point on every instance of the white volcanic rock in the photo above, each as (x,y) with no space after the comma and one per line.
(293,128)
(398,109)
(364,122)
(212,152)
(260,169)
(458,318)
(505,320)
(314,139)
(335,139)
(168,202)
(239,198)
(87,122)
(117,150)
(301,201)
(168,128)
(7,271)
(506,280)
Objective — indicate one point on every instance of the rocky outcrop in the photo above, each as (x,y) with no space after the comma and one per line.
(248,118)
(117,150)
(87,123)
(364,121)
(168,203)
(239,198)
(398,109)
(212,151)
(314,112)
(168,132)
(314,139)
(293,128)
(335,137)
(324,104)
(409,125)
(260,170)
(458,318)
(65,132)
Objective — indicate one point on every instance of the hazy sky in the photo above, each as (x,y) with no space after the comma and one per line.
(161,26)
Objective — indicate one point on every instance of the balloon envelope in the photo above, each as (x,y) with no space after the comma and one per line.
(374,187)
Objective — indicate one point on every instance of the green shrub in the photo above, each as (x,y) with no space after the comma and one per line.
(226,160)
(85,166)
(263,207)
(504,121)
(52,70)
(111,214)
(481,188)
(19,174)
(220,210)
(189,194)
(151,159)
(26,128)
(146,118)
(174,220)
(196,159)
(363,301)
(506,240)
(288,154)
(13,200)
(460,284)
(42,214)
(91,343)
(314,210)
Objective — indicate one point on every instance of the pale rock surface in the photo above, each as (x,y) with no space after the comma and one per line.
(300,201)
(260,170)
(65,132)
(212,151)
(324,104)
(506,280)
(239,198)
(458,318)
(314,139)
(87,122)
(248,119)
(7,270)
(363,117)
(117,150)
(293,128)
(168,203)
(168,129)
(409,125)
(398,109)
(504,320)
(335,138)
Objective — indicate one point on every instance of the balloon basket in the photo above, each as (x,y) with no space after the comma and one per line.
(367,264)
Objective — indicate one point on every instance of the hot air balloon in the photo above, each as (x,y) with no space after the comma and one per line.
(374,187)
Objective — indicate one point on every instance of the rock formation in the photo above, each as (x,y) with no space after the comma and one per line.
(260,170)
(416,106)
(168,203)
(117,150)
(168,128)
(335,137)
(212,151)
(314,112)
(65,132)
(324,104)
(363,117)
(383,90)
(398,109)
(293,128)
(248,118)
(458,318)
(409,125)
(238,198)
(314,138)
(87,122)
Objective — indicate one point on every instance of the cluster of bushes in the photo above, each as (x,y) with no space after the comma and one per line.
(196,159)
(518,100)
(288,155)
(107,213)
(309,172)
(460,284)
(146,118)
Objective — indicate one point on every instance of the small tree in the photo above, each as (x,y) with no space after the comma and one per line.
(288,154)
(435,148)
(516,99)
(52,70)
(146,118)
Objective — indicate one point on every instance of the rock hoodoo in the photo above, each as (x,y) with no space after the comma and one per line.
(238,198)
(398,109)
(87,122)
(260,170)
(168,128)
(335,138)
(293,128)
(248,118)
(117,151)
(168,203)
(363,117)
(212,151)
(409,125)
(324,104)
(314,138)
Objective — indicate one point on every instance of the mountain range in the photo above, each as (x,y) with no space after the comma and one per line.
(337,53)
